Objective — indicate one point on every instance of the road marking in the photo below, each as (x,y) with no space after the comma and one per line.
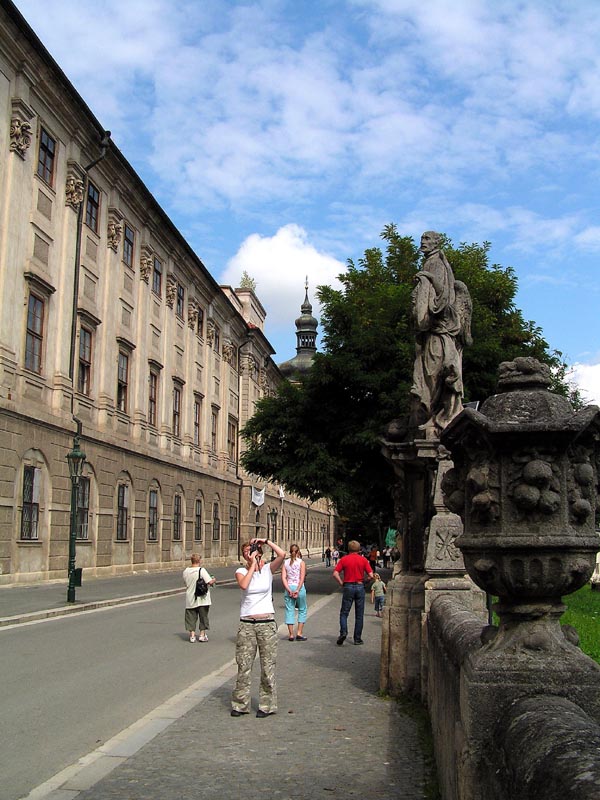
(91,768)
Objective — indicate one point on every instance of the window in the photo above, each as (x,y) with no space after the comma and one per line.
(180,304)
(176,411)
(200,328)
(197,420)
(231,439)
(177,518)
(233,523)
(214,427)
(83,509)
(92,207)
(31,503)
(216,533)
(122,508)
(46,153)
(157,277)
(128,242)
(122,381)
(35,330)
(153,515)
(217,342)
(198,521)
(152,398)
(85,361)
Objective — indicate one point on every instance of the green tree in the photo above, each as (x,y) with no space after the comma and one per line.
(321,437)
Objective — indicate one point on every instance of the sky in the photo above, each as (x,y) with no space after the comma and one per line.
(280,137)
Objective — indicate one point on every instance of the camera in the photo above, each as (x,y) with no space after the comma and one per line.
(255,548)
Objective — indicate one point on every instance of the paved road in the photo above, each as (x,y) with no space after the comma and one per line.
(70,683)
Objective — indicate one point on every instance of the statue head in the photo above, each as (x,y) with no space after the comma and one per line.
(430,242)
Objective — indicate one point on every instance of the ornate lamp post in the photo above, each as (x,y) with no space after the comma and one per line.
(273,520)
(76,460)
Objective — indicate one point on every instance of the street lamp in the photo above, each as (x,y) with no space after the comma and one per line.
(323,529)
(273,519)
(76,460)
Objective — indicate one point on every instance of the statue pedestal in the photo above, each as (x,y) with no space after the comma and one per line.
(431,563)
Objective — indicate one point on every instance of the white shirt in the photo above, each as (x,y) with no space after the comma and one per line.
(258,597)
(190,576)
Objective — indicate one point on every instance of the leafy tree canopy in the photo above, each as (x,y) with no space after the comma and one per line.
(320,437)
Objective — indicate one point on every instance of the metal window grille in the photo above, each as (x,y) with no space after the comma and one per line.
(153,515)
(177,517)
(31,510)
(83,509)
(198,521)
(216,530)
(122,508)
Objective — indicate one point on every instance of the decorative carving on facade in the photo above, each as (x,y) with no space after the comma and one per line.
(113,235)
(251,366)
(581,487)
(114,228)
(210,332)
(171,289)
(146,263)
(20,136)
(263,382)
(193,311)
(445,547)
(228,352)
(73,191)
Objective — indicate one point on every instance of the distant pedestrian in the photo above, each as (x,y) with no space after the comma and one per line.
(294,595)
(196,608)
(378,591)
(386,556)
(354,568)
(336,556)
(257,629)
(373,554)
(328,557)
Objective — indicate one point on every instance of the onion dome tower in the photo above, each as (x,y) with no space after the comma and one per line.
(306,338)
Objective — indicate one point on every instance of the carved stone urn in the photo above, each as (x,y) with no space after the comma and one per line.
(525,484)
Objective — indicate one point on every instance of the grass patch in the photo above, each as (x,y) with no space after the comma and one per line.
(583,613)
(414,709)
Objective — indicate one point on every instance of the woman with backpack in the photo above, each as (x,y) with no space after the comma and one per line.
(197,603)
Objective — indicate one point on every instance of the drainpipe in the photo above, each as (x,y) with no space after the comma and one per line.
(104,145)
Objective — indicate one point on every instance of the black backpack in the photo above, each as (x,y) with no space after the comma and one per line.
(201,585)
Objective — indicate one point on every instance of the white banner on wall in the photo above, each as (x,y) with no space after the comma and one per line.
(258,496)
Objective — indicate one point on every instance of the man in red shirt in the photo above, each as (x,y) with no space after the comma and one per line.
(355,567)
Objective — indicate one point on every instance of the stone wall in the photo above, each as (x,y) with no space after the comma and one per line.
(501,738)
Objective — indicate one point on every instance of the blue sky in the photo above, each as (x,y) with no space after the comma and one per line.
(281,136)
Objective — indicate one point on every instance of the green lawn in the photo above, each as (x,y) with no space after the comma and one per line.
(583,613)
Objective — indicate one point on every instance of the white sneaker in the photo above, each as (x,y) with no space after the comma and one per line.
(203,638)
(192,637)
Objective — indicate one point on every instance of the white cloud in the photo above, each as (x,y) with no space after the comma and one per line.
(587,378)
(280,265)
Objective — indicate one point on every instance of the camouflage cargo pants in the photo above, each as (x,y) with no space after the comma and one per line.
(250,637)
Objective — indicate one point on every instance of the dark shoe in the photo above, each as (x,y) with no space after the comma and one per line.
(300,638)
(341,639)
(260,713)
(358,641)
(290,639)
(236,713)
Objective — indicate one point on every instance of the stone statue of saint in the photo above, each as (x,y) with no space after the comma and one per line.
(441,312)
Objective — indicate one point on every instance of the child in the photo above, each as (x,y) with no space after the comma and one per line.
(378,591)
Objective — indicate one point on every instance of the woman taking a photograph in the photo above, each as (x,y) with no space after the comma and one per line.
(257,629)
(292,576)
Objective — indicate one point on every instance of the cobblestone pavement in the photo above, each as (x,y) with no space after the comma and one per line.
(333,736)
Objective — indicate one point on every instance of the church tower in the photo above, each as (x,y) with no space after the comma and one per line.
(306,341)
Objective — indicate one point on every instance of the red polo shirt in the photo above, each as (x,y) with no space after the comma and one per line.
(354,566)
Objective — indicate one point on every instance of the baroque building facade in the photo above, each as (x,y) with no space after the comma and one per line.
(111,323)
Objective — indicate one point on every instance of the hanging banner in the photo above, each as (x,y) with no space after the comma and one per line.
(258,496)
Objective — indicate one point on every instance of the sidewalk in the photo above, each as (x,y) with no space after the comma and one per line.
(332,737)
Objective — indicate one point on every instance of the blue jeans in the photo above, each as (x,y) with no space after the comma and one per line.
(352,593)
